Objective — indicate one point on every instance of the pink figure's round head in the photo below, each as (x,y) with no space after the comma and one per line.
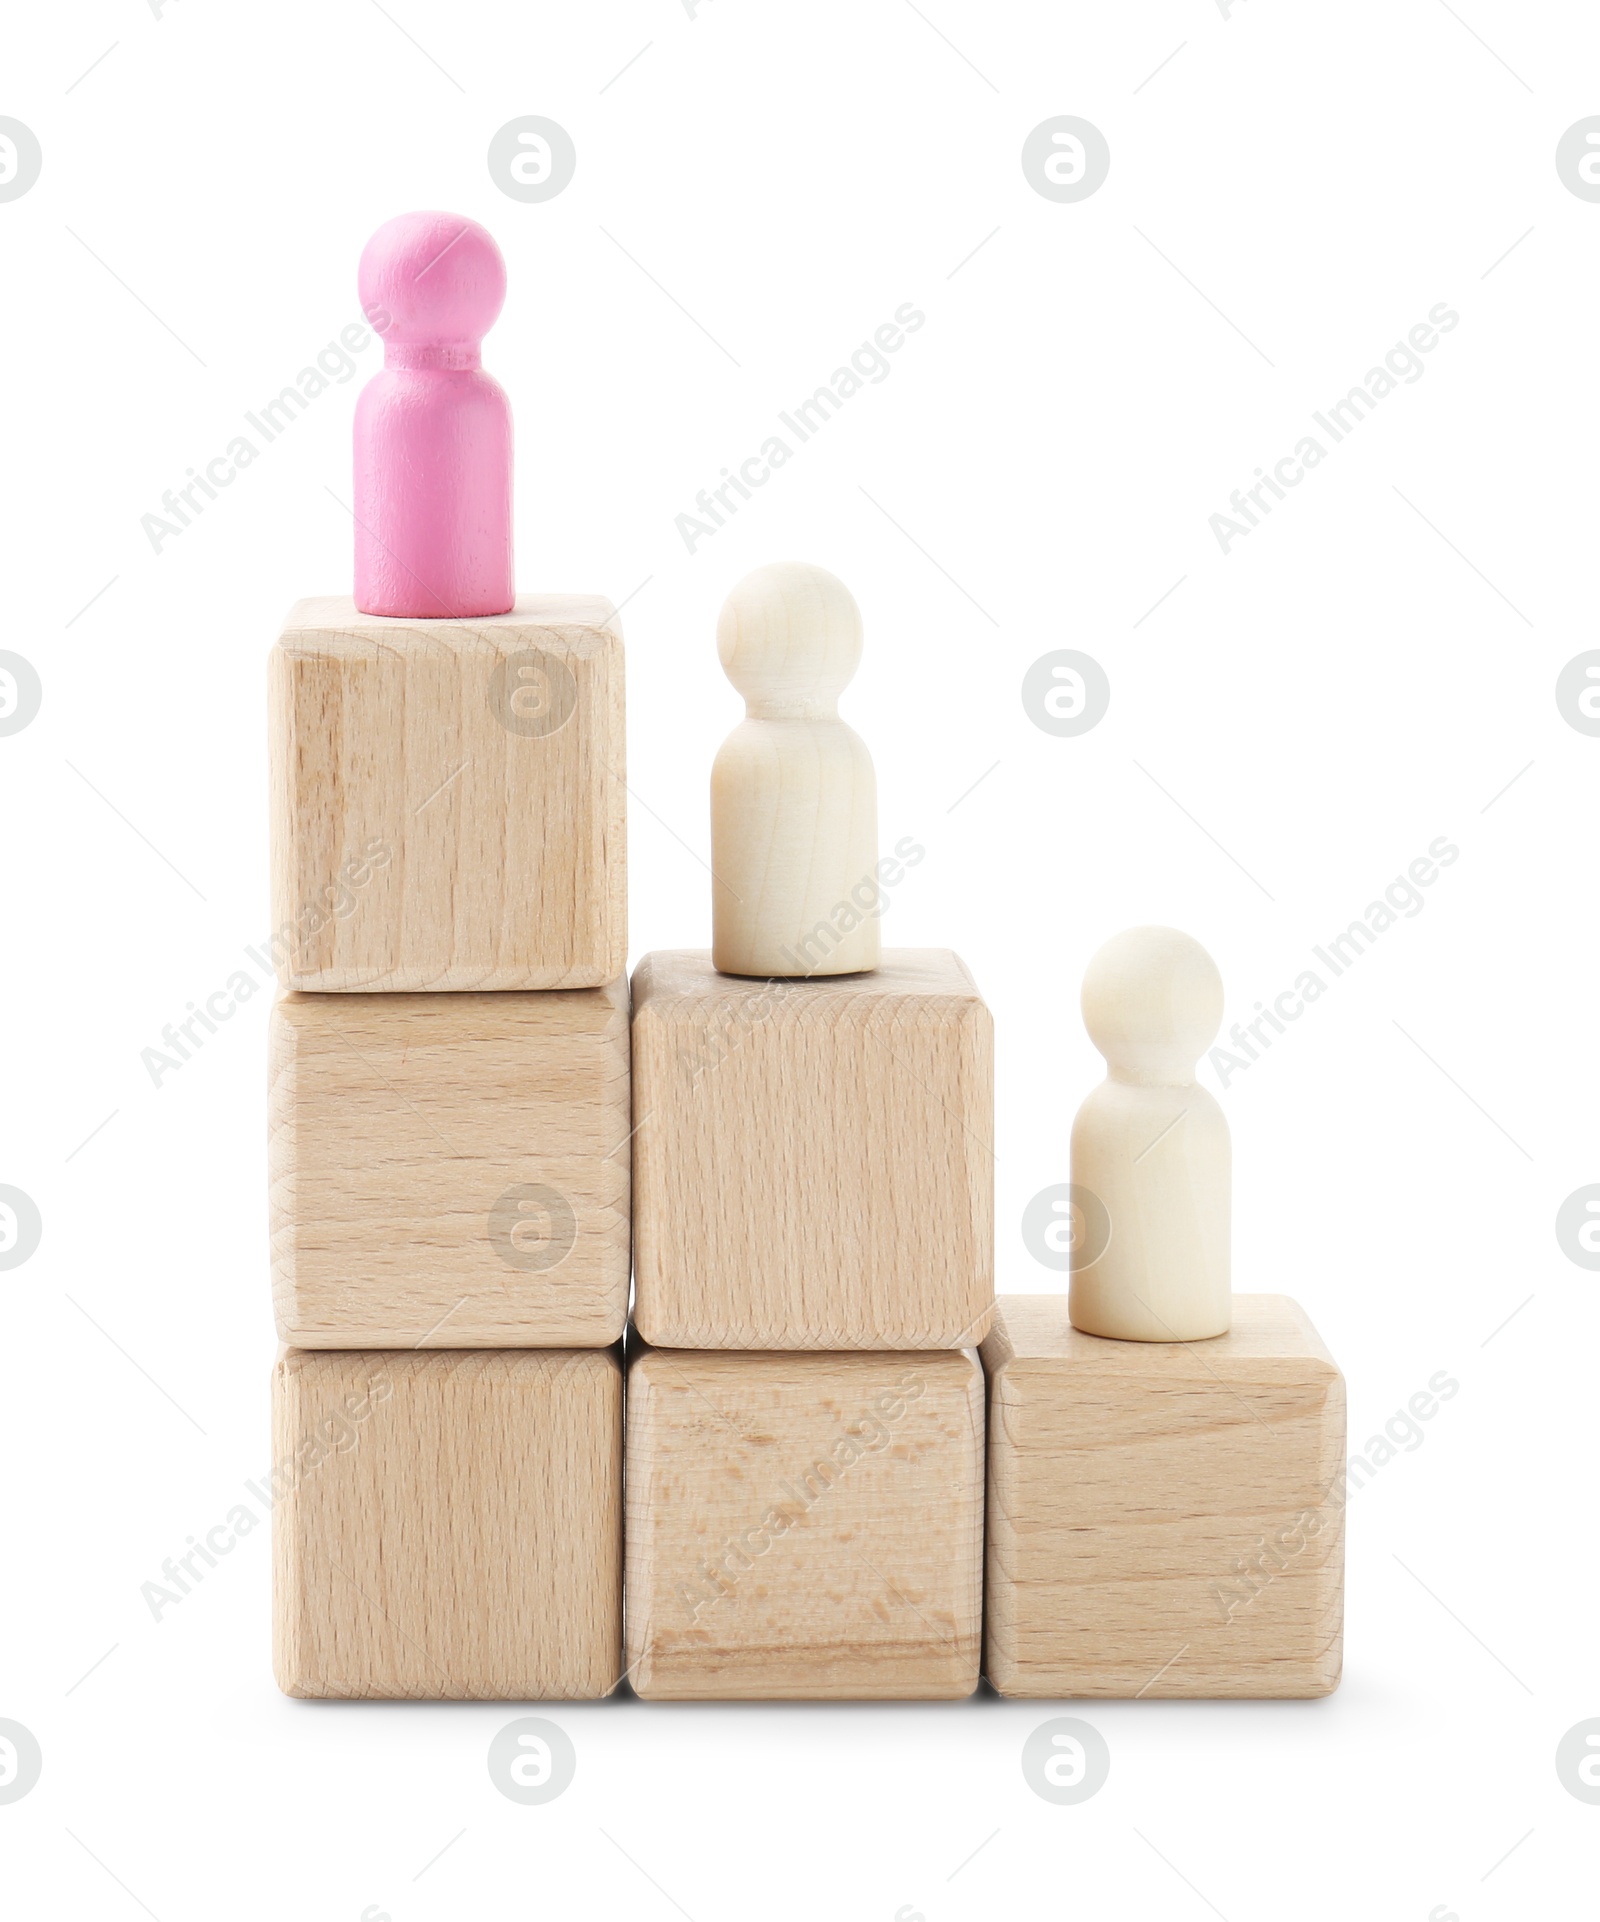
(431,279)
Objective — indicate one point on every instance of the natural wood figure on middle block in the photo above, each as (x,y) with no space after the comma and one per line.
(804,1526)
(450,1170)
(812,1160)
(794,801)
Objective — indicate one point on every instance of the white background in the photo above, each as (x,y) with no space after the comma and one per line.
(1289,728)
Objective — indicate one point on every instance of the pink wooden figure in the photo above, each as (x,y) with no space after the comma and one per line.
(433,430)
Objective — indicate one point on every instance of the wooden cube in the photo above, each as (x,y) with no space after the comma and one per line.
(813,1167)
(448,1525)
(450,1170)
(448,803)
(1165,1518)
(804,1526)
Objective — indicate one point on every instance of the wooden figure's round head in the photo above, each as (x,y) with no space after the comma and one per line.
(789,637)
(431,280)
(1152,1002)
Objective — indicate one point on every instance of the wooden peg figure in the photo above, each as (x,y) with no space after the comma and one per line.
(432,430)
(794,801)
(1152,1162)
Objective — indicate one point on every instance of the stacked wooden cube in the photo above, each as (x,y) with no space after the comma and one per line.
(449,1152)
(1164,1518)
(814,1249)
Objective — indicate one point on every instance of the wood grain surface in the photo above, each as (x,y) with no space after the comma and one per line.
(449,1525)
(1165,1519)
(804,1526)
(450,1170)
(448,799)
(813,1162)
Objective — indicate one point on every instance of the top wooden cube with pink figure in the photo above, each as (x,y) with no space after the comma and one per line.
(448,806)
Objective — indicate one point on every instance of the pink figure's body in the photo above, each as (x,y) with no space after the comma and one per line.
(433,430)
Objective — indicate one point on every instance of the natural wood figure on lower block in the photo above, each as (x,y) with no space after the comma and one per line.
(450,1170)
(804,1526)
(813,1162)
(1152,1160)
(448,1525)
(448,799)
(1165,1518)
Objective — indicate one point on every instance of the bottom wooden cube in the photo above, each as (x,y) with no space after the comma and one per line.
(1165,1518)
(804,1525)
(448,1524)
